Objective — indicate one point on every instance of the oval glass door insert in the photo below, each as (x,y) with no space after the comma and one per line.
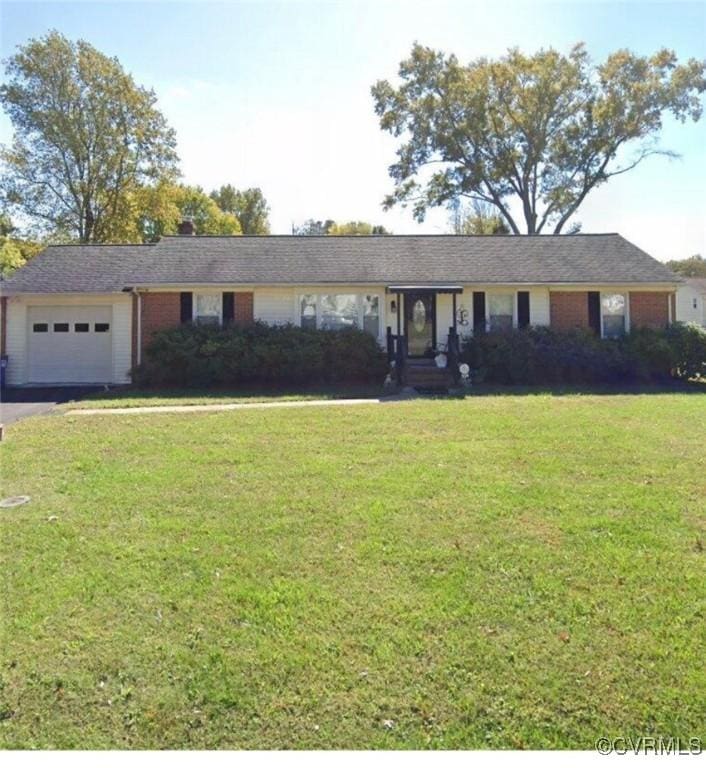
(419,316)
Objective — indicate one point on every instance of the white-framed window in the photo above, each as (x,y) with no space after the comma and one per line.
(338,310)
(307,311)
(334,311)
(371,314)
(207,308)
(501,311)
(695,303)
(613,315)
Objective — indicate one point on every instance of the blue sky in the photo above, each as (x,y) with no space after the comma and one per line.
(277,95)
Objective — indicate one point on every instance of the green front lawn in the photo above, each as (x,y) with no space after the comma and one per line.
(131,397)
(518,571)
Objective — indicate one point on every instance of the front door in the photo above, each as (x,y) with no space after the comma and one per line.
(420,323)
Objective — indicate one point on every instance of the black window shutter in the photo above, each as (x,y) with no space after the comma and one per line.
(186,299)
(594,311)
(523,310)
(479,311)
(228,308)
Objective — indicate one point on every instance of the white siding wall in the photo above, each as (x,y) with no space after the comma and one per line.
(275,305)
(539,306)
(16,341)
(17,331)
(444,317)
(444,314)
(686,294)
(122,341)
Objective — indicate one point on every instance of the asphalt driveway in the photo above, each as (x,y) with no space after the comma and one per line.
(17,404)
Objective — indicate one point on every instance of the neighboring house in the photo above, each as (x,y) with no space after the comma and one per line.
(84,314)
(691,301)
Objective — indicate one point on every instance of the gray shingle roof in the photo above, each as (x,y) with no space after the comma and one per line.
(697,282)
(77,269)
(408,259)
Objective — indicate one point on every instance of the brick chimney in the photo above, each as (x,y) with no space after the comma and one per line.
(186,227)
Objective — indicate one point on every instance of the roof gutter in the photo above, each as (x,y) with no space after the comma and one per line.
(393,287)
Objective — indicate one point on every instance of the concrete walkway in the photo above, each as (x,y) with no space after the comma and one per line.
(142,409)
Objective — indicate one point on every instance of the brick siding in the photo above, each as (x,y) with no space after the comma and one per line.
(159,311)
(163,310)
(243,314)
(568,309)
(649,309)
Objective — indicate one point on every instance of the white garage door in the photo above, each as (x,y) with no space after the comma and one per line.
(70,345)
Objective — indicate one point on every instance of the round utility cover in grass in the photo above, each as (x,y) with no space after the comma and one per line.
(13,501)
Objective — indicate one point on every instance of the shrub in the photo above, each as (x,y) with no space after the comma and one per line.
(210,356)
(548,356)
(688,344)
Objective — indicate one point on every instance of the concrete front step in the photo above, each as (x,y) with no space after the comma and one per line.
(429,379)
(428,373)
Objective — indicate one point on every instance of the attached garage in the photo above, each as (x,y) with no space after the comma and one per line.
(54,339)
(69,344)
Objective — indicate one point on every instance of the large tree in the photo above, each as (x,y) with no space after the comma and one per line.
(86,137)
(313,227)
(694,266)
(543,129)
(159,209)
(248,206)
(331,227)
(476,218)
(357,228)
(15,252)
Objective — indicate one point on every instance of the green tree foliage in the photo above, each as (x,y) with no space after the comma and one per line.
(208,218)
(313,227)
(694,266)
(543,129)
(86,137)
(6,225)
(357,228)
(477,219)
(248,206)
(10,256)
(158,211)
(14,252)
(331,227)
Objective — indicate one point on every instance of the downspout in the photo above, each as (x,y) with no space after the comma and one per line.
(136,325)
(3,325)
(139,325)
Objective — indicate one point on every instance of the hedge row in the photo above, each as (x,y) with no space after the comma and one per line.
(548,356)
(211,356)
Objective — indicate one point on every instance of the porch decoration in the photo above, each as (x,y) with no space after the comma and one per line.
(465,372)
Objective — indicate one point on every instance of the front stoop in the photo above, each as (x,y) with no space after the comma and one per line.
(426,378)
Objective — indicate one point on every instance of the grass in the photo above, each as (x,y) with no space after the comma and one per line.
(131,397)
(497,572)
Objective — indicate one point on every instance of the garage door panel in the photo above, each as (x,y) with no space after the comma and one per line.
(71,356)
